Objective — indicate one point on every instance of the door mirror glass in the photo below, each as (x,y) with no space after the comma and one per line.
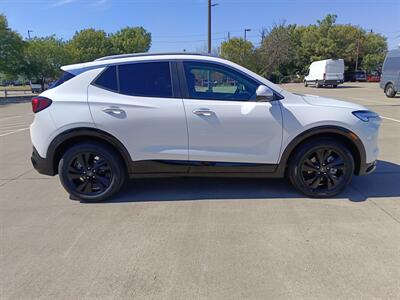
(264,94)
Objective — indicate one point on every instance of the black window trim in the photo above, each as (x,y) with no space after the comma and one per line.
(183,83)
(175,85)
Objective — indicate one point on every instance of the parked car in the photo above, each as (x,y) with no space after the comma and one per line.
(36,87)
(373,76)
(390,78)
(6,83)
(17,83)
(146,115)
(354,76)
(325,72)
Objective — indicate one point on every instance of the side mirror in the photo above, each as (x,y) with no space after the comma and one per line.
(264,94)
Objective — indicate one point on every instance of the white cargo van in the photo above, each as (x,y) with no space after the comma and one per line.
(325,72)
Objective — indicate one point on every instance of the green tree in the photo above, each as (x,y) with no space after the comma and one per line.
(43,58)
(130,40)
(276,52)
(239,51)
(290,49)
(89,44)
(374,51)
(11,49)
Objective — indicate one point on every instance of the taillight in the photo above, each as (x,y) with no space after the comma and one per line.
(40,103)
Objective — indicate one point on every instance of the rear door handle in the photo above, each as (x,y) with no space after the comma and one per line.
(113,110)
(203,112)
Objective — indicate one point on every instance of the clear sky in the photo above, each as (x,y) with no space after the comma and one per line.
(182,24)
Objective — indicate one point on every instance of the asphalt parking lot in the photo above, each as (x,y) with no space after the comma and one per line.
(188,238)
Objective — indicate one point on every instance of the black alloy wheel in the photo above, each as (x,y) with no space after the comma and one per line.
(321,168)
(91,171)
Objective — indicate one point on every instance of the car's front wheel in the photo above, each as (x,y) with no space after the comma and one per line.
(91,172)
(321,168)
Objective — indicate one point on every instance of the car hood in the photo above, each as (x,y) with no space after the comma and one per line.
(323,101)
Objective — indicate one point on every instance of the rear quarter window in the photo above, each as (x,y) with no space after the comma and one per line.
(108,79)
(65,76)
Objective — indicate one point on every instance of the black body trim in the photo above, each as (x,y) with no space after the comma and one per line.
(152,168)
(42,165)
(321,131)
(185,167)
(66,137)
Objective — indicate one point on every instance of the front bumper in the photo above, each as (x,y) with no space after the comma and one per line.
(42,165)
(367,168)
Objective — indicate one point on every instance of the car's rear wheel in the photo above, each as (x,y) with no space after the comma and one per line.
(390,91)
(321,168)
(91,172)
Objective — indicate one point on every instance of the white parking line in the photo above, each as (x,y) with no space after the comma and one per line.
(15,131)
(13,117)
(16,126)
(394,120)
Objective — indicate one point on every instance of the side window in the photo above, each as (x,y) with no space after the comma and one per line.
(216,82)
(392,64)
(149,79)
(108,79)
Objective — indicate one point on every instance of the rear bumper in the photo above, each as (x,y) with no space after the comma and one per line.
(42,165)
(331,81)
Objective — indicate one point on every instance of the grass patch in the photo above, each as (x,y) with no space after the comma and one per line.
(15,88)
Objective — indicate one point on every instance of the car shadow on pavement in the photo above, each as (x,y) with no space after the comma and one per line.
(384,182)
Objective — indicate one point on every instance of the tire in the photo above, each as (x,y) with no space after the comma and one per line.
(305,83)
(334,86)
(317,180)
(91,172)
(390,91)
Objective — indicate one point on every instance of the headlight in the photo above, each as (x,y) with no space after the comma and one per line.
(365,115)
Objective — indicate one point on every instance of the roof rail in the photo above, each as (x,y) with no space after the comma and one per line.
(152,54)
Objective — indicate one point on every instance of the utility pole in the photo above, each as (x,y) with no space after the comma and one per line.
(358,49)
(229,36)
(29,34)
(209,24)
(245,31)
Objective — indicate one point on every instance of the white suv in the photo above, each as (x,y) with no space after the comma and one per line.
(188,114)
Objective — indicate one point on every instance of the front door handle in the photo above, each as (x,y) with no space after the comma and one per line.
(203,112)
(113,110)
